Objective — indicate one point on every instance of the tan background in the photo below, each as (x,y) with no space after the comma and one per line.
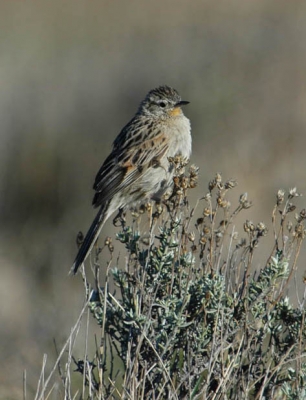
(72,74)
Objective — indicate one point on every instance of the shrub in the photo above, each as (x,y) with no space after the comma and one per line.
(192,317)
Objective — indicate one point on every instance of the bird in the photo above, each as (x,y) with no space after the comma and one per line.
(138,168)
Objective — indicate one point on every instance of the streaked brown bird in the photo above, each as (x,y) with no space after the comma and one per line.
(138,168)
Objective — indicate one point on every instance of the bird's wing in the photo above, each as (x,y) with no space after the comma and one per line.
(128,163)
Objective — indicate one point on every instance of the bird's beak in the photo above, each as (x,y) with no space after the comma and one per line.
(176,110)
(182,103)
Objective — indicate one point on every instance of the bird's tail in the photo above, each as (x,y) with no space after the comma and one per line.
(90,239)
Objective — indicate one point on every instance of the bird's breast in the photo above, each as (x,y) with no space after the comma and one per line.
(180,137)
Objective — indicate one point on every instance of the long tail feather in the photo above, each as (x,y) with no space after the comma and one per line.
(90,239)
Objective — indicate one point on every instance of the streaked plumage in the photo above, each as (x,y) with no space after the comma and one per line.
(138,168)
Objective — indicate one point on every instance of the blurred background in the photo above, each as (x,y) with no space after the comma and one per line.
(72,74)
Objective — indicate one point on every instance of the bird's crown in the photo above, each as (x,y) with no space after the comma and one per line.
(159,101)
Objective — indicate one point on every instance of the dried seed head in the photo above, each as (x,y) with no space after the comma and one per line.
(206,230)
(280,197)
(206,212)
(178,161)
(217,181)
(293,193)
(203,240)
(159,208)
(243,198)
(207,197)
(184,183)
(211,185)
(193,171)
(193,183)
(224,204)
(290,208)
(261,228)
(247,204)
(230,184)
(108,241)
(219,200)
(303,214)
(218,178)
(299,231)
(191,236)
(248,226)
(176,181)
(148,207)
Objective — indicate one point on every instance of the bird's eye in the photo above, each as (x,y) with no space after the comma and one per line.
(162,104)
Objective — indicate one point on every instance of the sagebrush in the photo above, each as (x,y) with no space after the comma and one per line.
(191,316)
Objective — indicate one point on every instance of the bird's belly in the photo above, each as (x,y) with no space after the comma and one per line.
(153,183)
